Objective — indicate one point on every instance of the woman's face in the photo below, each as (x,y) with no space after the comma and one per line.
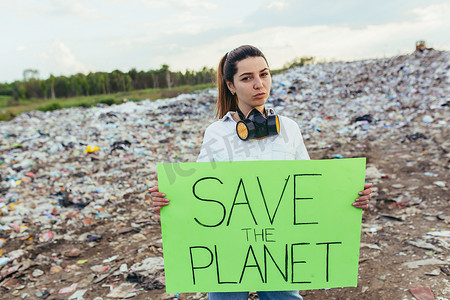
(251,84)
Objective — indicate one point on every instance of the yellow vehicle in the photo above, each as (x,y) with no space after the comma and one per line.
(420,45)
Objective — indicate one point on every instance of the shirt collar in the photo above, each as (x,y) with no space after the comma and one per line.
(229,115)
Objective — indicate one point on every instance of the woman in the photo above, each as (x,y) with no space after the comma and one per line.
(244,82)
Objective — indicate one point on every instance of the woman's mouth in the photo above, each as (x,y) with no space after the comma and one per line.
(260,95)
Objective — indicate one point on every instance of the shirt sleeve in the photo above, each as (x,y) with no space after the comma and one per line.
(300,149)
(206,151)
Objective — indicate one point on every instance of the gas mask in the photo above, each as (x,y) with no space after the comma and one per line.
(256,126)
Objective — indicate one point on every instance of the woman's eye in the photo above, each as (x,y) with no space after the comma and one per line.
(245,78)
(264,74)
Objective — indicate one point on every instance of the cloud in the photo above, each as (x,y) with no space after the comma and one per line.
(354,13)
(180,25)
(282,43)
(133,41)
(432,13)
(180,22)
(110,34)
(60,59)
(279,5)
(180,4)
(72,9)
(193,4)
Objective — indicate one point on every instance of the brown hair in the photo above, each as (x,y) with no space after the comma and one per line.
(226,71)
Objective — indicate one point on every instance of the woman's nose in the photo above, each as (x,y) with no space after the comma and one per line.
(258,83)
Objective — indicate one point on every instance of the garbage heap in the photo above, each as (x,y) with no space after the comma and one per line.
(73,182)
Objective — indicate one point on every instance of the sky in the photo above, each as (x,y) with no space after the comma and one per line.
(63,37)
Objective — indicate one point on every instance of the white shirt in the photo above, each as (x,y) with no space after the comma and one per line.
(221,143)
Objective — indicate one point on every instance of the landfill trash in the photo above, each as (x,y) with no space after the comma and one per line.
(416,136)
(69,289)
(123,268)
(74,252)
(79,177)
(443,217)
(124,290)
(427,119)
(366,118)
(138,237)
(4,260)
(430,174)
(55,269)
(46,236)
(422,292)
(371,228)
(120,145)
(149,265)
(424,245)
(78,295)
(440,183)
(445,270)
(398,186)
(108,260)
(100,268)
(147,282)
(370,246)
(373,173)
(435,272)
(424,262)
(391,218)
(441,233)
(91,149)
(37,273)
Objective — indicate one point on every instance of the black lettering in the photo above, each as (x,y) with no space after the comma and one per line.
(257,234)
(328,255)
(217,269)
(209,200)
(296,198)
(267,233)
(285,274)
(271,218)
(192,260)
(256,265)
(293,262)
(241,183)
(246,232)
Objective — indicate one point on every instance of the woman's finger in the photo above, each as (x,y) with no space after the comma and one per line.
(364,198)
(160,203)
(366,192)
(157,194)
(154,189)
(363,206)
(368,185)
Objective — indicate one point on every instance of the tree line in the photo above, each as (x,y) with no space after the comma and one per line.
(101,82)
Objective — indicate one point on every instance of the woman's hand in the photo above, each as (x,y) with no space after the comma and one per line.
(158,199)
(365,195)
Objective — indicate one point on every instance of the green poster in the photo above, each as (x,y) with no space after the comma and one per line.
(261,225)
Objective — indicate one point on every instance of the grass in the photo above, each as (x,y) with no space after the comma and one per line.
(9,108)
